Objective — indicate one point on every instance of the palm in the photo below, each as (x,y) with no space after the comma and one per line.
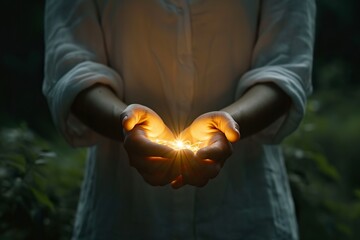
(155,162)
(213,131)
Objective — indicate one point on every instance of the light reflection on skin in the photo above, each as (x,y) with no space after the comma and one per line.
(179,144)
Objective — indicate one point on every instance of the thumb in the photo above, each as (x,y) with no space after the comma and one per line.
(226,124)
(132,118)
(128,123)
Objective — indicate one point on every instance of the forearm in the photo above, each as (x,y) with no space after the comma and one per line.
(260,106)
(99,108)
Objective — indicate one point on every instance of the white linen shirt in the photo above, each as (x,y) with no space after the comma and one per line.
(181,58)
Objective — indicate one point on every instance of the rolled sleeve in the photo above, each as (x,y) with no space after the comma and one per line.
(283,55)
(62,95)
(75,59)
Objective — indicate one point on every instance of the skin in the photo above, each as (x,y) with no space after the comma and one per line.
(102,110)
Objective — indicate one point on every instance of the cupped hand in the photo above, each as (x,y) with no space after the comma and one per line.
(155,162)
(215,131)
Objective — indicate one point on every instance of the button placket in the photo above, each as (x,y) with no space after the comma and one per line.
(184,199)
(186,70)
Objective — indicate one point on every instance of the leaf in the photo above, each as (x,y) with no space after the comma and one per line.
(357,193)
(3,173)
(16,161)
(40,162)
(48,154)
(39,179)
(324,166)
(344,229)
(43,199)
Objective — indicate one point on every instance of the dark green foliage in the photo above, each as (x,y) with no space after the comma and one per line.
(38,191)
(323,162)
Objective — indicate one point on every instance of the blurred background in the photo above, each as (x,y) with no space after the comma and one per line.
(40,175)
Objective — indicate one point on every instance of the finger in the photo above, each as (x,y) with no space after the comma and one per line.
(170,167)
(129,123)
(226,124)
(208,167)
(218,151)
(140,115)
(133,117)
(149,165)
(211,170)
(232,131)
(178,182)
(187,165)
(186,135)
(194,173)
(137,143)
(183,157)
(206,164)
(157,150)
(160,175)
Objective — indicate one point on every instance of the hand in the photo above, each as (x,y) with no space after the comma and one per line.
(155,162)
(215,131)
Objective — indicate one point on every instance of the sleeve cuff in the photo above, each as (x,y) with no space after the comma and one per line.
(63,93)
(293,86)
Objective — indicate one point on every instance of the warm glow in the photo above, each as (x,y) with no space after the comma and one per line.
(179,144)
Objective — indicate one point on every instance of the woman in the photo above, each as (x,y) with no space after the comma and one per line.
(121,74)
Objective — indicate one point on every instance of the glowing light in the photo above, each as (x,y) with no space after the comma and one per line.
(179,144)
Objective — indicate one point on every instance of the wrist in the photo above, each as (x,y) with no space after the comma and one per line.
(99,108)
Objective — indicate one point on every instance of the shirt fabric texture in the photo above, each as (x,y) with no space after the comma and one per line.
(181,58)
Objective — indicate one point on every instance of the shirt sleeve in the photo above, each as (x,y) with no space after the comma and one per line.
(283,55)
(75,59)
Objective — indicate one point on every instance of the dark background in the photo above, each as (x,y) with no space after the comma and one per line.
(40,175)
